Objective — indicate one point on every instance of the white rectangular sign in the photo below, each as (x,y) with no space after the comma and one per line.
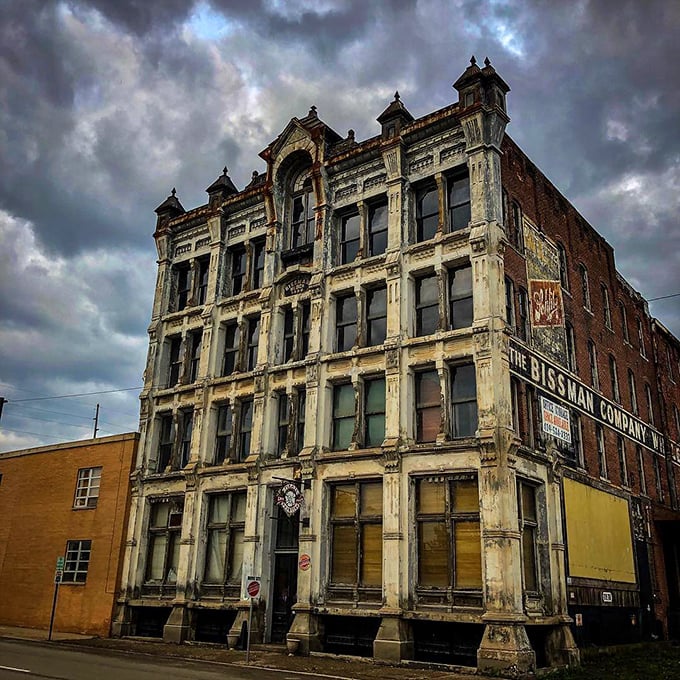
(555,420)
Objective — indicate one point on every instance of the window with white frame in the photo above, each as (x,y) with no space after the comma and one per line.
(633,393)
(606,309)
(585,286)
(614,377)
(594,371)
(302,217)
(77,561)
(87,487)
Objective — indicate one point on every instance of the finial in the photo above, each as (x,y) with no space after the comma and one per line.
(396,96)
(312,111)
(254,175)
(224,170)
(350,134)
(173,192)
(473,61)
(487,61)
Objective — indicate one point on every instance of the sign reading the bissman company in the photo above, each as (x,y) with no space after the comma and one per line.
(546,303)
(557,383)
(289,498)
(555,420)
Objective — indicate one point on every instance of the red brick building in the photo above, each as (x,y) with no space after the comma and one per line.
(68,500)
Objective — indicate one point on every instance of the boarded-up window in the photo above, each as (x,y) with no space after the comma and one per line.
(449,540)
(225,528)
(356,530)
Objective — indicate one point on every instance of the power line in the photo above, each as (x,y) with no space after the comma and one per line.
(56,413)
(81,394)
(34,434)
(664,297)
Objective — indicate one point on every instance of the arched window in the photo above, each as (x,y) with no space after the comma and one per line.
(302,216)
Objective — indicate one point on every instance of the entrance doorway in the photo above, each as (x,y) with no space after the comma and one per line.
(284,592)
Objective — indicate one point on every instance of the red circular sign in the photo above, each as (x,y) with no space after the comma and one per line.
(304,562)
(253,588)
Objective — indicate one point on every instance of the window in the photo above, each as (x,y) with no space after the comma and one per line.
(427,212)
(577,438)
(349,238)
(427,305)
(449,539)
(257,277)
(650,407)
(657,477)
(87,487)
(592,358)
(283,423)
(290,427)
(516,234)
(343,416)
(633,393)
(463,400)
(601,451)
(302,217)
(571,348)
(195,340)
(231,348)
(377,228)
(356,536)
(458,200)
(606,309)
(252,338)
(676,414)
(509,302)
(641,338)
(564,272)
(183,285)
(623,466)
(176,360)
(641,469)
(245,429)
(296,328)
(345,322)
(505,202)
(374,412)
(514,404)
(376,316)
(523,330)
(225,539)
(428,406)
(585,286)
(528,528)
(223,434)
(669,359)
(237,256)
(77,561)
(166,440)
(460,297)
(165,527)
(187,426)
(614,375)
(624,322)
(203,272)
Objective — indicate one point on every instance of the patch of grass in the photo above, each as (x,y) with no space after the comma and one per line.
(640,662)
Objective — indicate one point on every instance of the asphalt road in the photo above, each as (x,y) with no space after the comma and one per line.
(19,659)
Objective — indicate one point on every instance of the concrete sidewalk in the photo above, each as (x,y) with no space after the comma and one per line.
(17,633)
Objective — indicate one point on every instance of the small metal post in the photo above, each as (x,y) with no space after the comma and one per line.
(250,621)
(54,609)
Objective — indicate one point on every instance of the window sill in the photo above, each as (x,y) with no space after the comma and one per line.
(187,311)
(244,295)
(73,583)
(297,255)
(371,260)
(89,507)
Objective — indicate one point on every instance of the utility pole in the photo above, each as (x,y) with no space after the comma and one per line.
(96,422)
(3,401)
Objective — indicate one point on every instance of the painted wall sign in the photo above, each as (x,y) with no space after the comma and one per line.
(289,498)
(560,384)
(556,421)
(304,562)
(546,303)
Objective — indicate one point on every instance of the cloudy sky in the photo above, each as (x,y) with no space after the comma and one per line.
(105,105)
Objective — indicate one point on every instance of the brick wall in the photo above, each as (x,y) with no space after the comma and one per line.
(36,504)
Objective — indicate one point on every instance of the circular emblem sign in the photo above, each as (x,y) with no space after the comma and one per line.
(289,498)
(253,588)
(305,561)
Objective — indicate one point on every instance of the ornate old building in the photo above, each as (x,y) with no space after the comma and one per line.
(380,380)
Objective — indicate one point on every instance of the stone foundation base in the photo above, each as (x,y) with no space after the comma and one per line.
(178,626)
(506,650)
(560,647)
(234,634)
(393,642)
(121,625)
(306,630)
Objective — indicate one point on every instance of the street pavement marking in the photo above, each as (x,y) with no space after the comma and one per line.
(16,670)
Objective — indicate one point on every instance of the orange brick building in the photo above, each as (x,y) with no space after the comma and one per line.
(68,500)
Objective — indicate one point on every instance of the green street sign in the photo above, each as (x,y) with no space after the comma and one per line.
(60,563)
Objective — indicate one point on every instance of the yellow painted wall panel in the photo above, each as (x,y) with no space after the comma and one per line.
(598,534)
